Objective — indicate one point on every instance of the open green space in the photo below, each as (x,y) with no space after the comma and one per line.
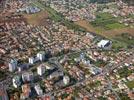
(118,44)
(95,84)
(100,63)
(130,84)
(107,22)
(123,96)
(123,40)
(125,72)
(115,25)
(126,38)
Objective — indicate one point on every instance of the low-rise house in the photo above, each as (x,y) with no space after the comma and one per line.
(66,80)
(26,91)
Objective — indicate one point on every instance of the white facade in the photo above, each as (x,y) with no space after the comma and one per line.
(12,65)
(40,70)
(104,44)
(56,74)
(27,76)
(16,81)
(41,56)
(31,60)
(38,90)
(66,80)
(48,67)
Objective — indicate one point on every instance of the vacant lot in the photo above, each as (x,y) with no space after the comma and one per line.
(115,32)
(37,18)
(85,24)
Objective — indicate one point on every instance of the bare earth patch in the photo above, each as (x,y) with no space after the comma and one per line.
(105,33)
(85,24)
(37,18)
(115,32)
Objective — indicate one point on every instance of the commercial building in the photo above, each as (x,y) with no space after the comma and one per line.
(105,44)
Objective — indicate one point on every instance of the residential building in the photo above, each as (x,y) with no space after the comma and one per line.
(27,76)
(41,70)
(31,60)
(56,74)
(66,80)
(12,65)
(16,81)
(26,89)
(41,56)
(3,93)
(38,90)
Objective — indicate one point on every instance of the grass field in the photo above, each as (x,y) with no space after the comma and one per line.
(125,38)
(130,84)
(115,26)
(107,22)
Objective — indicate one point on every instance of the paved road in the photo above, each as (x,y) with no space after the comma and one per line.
(105,70)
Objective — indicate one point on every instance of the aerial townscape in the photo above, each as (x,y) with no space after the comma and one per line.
(66,49)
